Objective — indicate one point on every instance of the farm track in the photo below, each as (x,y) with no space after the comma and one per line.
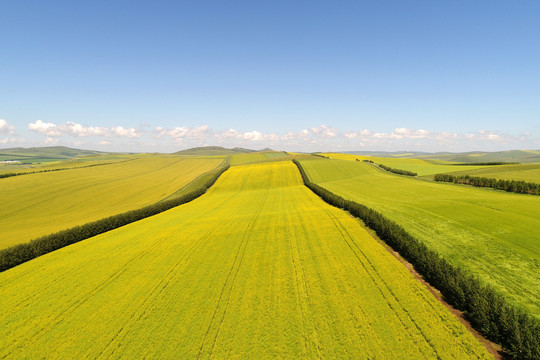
(258,267)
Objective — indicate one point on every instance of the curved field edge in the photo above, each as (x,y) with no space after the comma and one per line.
(40,204)
(487,310)
(18,254)
(422,167)
(259,267)
(490,233)
(524,172)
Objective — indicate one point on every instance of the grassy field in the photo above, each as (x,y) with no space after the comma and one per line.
(525,172)
(66,164)
(493,234)
(259,267)
(420,166)
(45,154)
(520,156)
(39,204)
(239,159)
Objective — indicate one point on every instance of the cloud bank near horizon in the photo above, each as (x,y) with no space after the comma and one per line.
(316,138)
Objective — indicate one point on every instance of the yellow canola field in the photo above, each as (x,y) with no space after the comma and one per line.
(34,205)
(259,267)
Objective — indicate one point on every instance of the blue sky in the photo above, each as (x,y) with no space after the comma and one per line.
(291,75)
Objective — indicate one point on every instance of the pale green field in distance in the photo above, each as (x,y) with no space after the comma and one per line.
(34,205)
(67,164)
(525,172)
(420,166)
(259,267)
(494,234)
(239,159)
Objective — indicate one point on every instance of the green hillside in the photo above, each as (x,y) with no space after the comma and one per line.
(213,150)
(521,156)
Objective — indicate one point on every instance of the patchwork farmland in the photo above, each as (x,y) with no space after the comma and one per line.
(259,266)
(494,234)
(38,204)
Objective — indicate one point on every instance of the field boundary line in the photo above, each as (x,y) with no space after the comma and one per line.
(488,312)
(21,253)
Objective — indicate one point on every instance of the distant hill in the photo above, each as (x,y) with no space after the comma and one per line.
(213,150)
(521,156)
(50,153)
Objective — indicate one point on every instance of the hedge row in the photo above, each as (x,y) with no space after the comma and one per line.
(485,163)
(5,175)
(397,171)
(21,253)
(488,312)
(516,186)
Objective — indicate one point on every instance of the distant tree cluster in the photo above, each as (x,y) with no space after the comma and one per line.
(366,161)
(486,163)
(5,175)
(517,186)
(319,155)
(488,312)
(397,171)
(21,253)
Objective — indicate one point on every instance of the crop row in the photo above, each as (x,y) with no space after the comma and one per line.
(21,253)
(517,186)
(487,311)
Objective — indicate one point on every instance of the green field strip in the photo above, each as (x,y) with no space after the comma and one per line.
(259,267)
(524,172)
(256,157)
(493,234)
(40,204)
(422,167)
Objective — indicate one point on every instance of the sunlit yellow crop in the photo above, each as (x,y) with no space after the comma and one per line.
(34,205)
(259,267)
(493,234)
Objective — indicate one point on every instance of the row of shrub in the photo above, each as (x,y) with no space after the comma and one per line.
(5,175)
(488,312)
(517,186)
(366,161)
(397,171)
(486,163)
(21,253)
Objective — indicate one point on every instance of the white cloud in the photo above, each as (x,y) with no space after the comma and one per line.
(317,138)
(6,141)
(5,128)
(50,141)
(180,133)
(324,131)
(74,129)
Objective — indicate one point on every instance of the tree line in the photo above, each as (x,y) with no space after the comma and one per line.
(21,253)
(487,311)
(485,163)
(5,175)
(517,186)
(397,171)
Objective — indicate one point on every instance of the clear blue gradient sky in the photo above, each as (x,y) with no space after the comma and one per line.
(292,75)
